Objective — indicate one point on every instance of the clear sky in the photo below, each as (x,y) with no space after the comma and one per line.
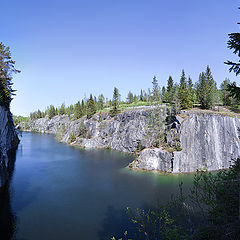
(68,49)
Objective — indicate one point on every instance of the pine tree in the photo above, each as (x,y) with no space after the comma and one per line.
(7,69)
(115,102)
(91,107)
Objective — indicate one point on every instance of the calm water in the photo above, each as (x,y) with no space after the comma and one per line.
(61,192)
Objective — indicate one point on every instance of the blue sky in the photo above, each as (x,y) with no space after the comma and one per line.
(69,49)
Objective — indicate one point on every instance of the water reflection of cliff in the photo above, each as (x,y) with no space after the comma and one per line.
(7,219)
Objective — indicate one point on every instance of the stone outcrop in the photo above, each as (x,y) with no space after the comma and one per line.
(154,159)
(8,143)
(195,141)
(125,132)
(208,141)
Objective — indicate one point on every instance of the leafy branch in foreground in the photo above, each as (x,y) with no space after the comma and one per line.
(210,211)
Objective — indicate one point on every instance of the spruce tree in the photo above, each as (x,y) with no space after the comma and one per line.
(51,112)
(169,94)
(206,89)
(101,100)
(225,93)
(84,110)
(91,107)
(78,111)
(234,44)
(115,102)
(141,97)
(155,91)
(130,97)
(211,88)
(163,94)
(184,93)
(62,109)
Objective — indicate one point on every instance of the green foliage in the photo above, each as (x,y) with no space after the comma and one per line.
(7,69)
(36,115)
(234,44)
(209,212)
(115,102)
(78,112)
(155,91)
(20,119)
(101,101)
(170,91)
(225,93)
(62,109)
(82,130)
(91,107)
(206,89)
(51,111)
(185,92)
(130,98)
(72,138)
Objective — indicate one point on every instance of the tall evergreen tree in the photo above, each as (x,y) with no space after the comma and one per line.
(7,69)
(130,97)
(91,107)
(184,93)
(62,109)
(101,100)
(83,105)
(169,94)
(206,89)
(115,102)
(225,93)
(155,91)
(78,113)
(191,90)
(163,94)
(51,111)
(141,97)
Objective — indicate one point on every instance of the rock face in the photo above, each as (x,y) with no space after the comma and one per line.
(208,142)
(199,141)
(154,159)
(8,143)
(124,132)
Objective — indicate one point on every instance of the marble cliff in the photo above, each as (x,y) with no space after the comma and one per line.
(183,143)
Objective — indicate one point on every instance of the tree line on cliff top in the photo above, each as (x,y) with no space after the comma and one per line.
(183,95)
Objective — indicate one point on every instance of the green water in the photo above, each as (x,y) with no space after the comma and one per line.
(61,192)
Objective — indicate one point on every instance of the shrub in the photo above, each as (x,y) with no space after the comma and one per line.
(71,138)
